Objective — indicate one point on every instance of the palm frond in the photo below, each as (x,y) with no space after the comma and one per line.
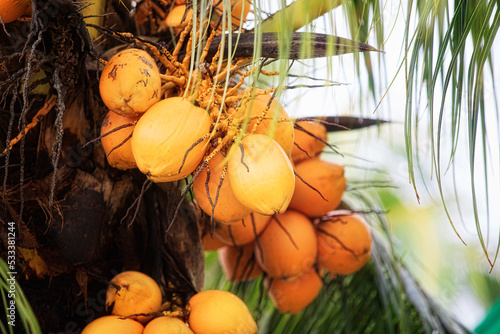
(365,17)
(448,53)
(23,316)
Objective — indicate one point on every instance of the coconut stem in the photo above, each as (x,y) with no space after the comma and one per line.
(36,119)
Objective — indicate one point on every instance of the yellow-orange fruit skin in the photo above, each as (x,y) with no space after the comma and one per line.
(227,208)
(164,134)
(121,157)
(164,325)
(217,312)
(324,176)
(238,263)
(29,11)
(138,293)
(175,16)
(283,130)
(130,82)
(11,10)
(292,297)
(346,246)
(113,324)
(242,232)
(211,244)
(261,175)
(307,146)
(238,9)
(288,246)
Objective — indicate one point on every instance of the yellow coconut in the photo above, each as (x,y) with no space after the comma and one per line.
(211,242)
(242,232)
(113,324)
(168,142)
(344,244)
(275,121)
(117,145)
(292,297)
(261,175)
(11,10)
(163,325)
(238,263)
(216,312)
(130,82)
(133,292)
(288,247)
(321,188)
(239,9)
(309,140)
(174,19)
(216,195)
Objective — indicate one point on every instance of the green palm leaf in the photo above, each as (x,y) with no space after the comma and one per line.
(24,318)
(472,26)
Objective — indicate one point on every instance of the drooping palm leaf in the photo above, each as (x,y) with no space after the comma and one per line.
(448,54)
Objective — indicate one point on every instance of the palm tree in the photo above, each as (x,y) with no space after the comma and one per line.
(78,221)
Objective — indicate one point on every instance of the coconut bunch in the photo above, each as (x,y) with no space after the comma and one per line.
(172,123)
(252,170)
(293,249)
(134,306)
(221,138)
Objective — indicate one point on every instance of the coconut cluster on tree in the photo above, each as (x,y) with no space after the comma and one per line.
(187,155)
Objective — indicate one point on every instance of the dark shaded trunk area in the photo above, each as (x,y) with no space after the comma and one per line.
(73,213)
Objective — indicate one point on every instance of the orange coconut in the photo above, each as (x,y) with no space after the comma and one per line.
(239,10)
(167,140)
(133,292)
(216,311)
(208,241)
(328,181)
(292,297)
(29,11)
(282,131)
(344,244)
(113,324)
(162,325)
(130,82)
(118,142)
(211,242)
(11,10)
(222,202)
(242,232)
(288,246)
(261,175)
(238,263)
(176,19)
(309,142)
